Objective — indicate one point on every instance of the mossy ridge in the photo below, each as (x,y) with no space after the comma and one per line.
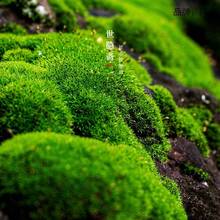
(124,88)
(174,56)
(38,102)
(96,87)
(121,176)
(183,122)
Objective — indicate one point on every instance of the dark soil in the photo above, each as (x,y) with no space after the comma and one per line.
(201,198)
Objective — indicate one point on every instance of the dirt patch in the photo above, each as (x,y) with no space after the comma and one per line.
(201,198)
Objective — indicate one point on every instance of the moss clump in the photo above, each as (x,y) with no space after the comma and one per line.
(202,115)
(12,28)
(19,55)
(171,186)
(187,126)
(10,42)
(100,96)
(19,70)
(114,182)
(32,106)
(195,171)
(167,106)
(179,121)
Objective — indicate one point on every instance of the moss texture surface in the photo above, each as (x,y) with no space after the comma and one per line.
(110,126)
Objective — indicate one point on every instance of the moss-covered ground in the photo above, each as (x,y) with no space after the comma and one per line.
(85,133)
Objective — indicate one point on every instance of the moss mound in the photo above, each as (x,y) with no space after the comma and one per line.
(114,182)
(32,106)
(19,55)
(106,103)
(19,70)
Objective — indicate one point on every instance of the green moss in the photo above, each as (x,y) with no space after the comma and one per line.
(160,7)
(213,135)
(182,122)
(76,6)
(188,127)
(19,70)
(171,186)
(167,107)
(198,172)
(202,115)
(33,106)
(11,42)
(19,55)
(114,182)
(105,103)
(100,24)
(111,5)
(12,28)
(170,48)
(100,97)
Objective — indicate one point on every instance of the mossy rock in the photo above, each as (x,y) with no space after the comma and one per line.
(115,182)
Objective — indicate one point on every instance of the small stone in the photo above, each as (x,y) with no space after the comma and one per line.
(206,101)
(205,184)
